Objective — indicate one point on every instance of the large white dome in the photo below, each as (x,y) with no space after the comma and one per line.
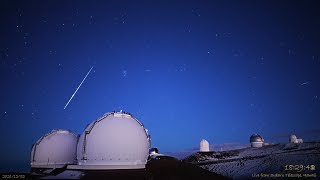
(114,141)
(58,147)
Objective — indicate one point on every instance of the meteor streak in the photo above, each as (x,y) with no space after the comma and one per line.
(77,88)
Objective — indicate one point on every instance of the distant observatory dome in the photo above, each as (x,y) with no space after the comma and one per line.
(115,141)
(256,140)
(154,151)
(58,147)
(204,146)
(293,139)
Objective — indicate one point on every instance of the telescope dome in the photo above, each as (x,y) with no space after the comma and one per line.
(57,147)
(256,140)
(115,141)
(293,138)
(204,146)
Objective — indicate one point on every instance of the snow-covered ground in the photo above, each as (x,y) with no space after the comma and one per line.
(271,160)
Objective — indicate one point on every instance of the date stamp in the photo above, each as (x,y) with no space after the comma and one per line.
(13,176)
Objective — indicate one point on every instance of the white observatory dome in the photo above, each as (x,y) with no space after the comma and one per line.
(293,139)
(256,140)
(115,141)
(54,149)
(204,146)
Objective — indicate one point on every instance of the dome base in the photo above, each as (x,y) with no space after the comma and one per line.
(256,144)
(105,167)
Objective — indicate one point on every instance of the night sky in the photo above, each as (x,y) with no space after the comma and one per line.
(219,70)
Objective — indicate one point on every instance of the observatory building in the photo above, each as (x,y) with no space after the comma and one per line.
(153,151)
(55,149)
(114,141)
(204,146)
(117,140)
(293,139)
(256,140)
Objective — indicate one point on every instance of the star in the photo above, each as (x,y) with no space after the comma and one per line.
(124,73)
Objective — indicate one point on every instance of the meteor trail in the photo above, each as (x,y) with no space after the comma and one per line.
(77,88)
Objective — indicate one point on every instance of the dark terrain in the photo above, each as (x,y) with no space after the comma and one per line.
(159,168)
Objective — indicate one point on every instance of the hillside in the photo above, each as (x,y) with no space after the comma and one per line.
(270,160)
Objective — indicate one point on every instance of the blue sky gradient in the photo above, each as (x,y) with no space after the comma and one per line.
(219,70)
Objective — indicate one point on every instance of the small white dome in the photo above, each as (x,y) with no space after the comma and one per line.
(256,140)
(204,146)
(55,148)
(115,141)
(154,151)
(293,139)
